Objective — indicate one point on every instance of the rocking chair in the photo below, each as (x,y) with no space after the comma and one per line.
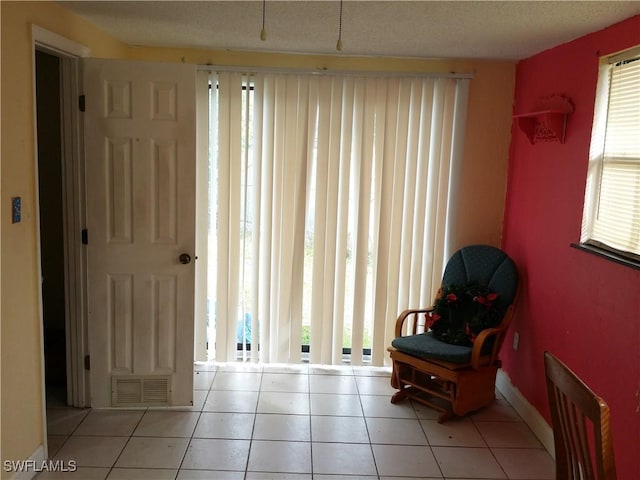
(455,379)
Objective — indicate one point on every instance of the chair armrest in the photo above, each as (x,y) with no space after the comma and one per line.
(498,332)
(407,314)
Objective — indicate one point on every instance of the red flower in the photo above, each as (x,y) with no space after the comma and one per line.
(431,318)
(451,298)
(486,300)
(472,336)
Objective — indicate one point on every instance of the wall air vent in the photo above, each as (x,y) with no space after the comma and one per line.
(140,391)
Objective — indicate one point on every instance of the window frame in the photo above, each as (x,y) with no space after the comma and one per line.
(596,160)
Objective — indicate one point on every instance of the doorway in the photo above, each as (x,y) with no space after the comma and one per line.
(50,193)
(60,212)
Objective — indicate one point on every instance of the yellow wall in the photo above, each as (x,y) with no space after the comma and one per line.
(21,421)
(481,205)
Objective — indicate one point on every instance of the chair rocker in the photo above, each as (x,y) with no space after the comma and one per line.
(455,379)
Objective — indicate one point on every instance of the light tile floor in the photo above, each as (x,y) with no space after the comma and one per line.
(294,422)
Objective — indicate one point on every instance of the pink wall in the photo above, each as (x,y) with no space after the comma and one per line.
(582,308)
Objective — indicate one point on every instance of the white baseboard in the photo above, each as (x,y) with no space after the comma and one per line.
(529,414)
(36,458)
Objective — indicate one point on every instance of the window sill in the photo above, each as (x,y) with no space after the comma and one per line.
(608,255)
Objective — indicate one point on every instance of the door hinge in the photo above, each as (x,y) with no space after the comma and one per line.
(81,103)
(87,362)
(85,236)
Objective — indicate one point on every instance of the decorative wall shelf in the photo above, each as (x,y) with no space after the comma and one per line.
(548,121)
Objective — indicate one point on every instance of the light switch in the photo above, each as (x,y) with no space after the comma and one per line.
(16,213)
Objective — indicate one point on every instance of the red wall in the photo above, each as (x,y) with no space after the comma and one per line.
(582,308)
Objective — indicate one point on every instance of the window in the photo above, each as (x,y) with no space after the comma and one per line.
(332,208)
(611,220)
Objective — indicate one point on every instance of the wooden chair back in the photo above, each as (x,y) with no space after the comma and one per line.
(581,430)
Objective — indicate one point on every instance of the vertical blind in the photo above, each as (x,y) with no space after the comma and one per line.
(332,203)
(613,189)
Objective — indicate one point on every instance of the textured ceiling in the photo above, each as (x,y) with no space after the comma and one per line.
(427,29)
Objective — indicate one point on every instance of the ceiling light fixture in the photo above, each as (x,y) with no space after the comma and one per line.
(263,32)
(339,44)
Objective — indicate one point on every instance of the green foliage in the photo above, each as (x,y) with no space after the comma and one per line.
(346,337)
(306,335)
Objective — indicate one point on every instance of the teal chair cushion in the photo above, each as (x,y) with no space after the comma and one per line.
(425,346)
(486,265)
(483,264)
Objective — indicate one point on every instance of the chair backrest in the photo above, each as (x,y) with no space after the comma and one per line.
(581,431)
(486,265)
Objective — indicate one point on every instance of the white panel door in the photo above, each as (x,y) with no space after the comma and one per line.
(140,174)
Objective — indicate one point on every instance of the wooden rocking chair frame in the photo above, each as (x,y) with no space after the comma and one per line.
(451,388)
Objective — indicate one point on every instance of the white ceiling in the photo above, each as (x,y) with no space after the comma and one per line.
(507,30)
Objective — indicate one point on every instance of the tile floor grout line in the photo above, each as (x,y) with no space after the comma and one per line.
(253,428)
(364,390)
(435,459)
(366,426)
(186,450)
(113,465)
(310,426)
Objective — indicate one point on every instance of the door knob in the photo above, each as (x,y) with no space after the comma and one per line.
(185,258)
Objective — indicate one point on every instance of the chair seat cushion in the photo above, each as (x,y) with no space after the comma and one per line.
(424,345)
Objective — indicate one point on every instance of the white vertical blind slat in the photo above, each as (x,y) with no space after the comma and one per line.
(419,254)
(364,133)
(410,254)
(304,146)
(264,112)
(340,308)
(226,290)
(382,219)
(320,89)
(460,95)
(398,160)
(256,254)
(329,342)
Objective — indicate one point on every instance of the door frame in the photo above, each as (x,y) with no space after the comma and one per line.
(74,219)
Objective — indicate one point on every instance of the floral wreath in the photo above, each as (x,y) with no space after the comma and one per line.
(461,312)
